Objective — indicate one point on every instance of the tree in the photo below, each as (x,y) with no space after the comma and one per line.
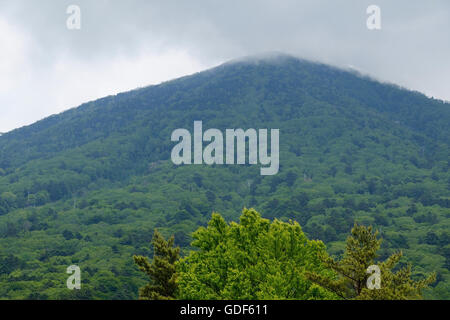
(252,259)
(162,273)
(352,273)
(8,200)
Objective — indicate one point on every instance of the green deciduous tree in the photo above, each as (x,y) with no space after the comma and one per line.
(253,259)
(162,273)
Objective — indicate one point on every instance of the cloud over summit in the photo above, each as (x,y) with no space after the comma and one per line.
(45,68)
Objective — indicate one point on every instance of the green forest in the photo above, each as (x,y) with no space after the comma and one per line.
(89,186)
(256,259)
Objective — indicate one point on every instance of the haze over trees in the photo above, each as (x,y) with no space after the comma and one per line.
(90,185)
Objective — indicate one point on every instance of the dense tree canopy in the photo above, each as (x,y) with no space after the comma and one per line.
(255,259)
(357,266)
(259,259)
(89,186)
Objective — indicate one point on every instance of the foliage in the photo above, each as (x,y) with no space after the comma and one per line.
(162,273)
(360,254)
(255,259)
(89,186)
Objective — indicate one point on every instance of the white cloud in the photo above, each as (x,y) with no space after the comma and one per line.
(45,69)
(12,56)
(69,82)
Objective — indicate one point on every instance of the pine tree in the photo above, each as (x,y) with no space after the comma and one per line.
(352,271)
(162,271)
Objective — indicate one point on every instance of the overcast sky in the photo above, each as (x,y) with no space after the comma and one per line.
(46,68)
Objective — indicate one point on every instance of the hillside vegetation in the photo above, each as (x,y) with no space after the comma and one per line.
(89,186)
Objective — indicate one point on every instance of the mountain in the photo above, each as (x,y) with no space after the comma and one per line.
(89,186)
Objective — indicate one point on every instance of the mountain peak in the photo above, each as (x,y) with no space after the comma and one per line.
(271,57)
(350,149)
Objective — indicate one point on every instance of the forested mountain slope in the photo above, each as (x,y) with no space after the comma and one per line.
(88,186)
